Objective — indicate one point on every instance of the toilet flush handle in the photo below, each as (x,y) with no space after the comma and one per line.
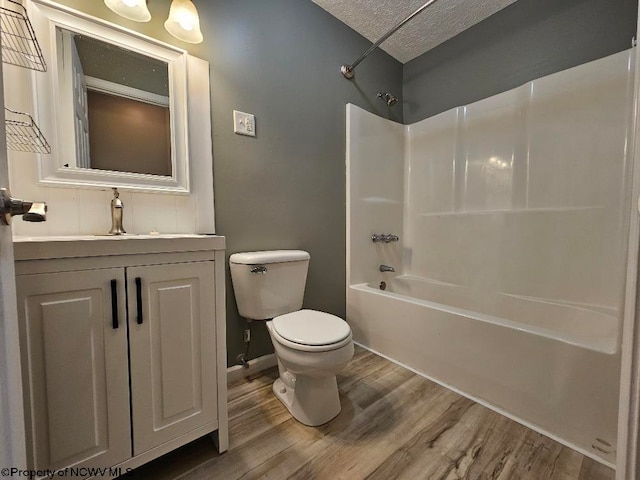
(258,269)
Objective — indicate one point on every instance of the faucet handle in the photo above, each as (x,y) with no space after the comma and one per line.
(384,237)
(388,238)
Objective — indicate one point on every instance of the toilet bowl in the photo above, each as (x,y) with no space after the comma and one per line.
(308,362)
(311,346)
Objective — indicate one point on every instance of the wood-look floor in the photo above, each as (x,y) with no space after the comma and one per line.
(393,425)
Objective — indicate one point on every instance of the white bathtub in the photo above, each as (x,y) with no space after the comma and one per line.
(551,366)
(522,199)
(592,327)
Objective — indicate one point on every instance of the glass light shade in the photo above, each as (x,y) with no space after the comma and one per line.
(183,22)
(135,10)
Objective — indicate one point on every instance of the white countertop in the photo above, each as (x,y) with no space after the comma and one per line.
(126,236)
(74,246)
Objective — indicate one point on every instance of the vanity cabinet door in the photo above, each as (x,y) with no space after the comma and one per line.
(74,363)
(173,356)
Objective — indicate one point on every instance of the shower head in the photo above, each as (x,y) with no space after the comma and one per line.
(387,97)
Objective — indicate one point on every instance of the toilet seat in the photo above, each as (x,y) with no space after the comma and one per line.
(310,330)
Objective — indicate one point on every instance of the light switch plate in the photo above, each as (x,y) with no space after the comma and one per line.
(244,123)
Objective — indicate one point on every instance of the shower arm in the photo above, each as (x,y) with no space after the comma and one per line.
(349,70)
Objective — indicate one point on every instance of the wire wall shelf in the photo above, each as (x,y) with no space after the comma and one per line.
(23,135)
(20,47)
(19,44)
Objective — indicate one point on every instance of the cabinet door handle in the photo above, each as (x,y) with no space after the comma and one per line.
(139,299)
(114,303)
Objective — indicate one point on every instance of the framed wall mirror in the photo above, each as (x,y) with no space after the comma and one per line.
(116,103)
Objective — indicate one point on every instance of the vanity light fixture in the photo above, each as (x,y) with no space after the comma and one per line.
(183,22)
(135,10)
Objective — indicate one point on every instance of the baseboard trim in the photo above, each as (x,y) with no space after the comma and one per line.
(236,372)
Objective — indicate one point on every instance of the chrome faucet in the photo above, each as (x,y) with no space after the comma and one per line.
(117,210)
(387,268)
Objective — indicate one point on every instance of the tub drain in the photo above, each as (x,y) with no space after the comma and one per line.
(383,285)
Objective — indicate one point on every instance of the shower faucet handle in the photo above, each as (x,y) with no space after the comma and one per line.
(384,238)
(391,238)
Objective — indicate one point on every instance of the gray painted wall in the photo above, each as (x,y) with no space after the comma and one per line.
(280,60)
(527,40)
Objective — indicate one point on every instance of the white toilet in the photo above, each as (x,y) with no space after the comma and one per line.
(311,346)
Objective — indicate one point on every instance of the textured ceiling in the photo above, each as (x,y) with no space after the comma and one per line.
(441,21)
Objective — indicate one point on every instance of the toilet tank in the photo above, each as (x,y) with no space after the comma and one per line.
(269,283)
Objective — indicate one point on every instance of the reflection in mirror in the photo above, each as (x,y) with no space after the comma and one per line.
(120,105)
(117,102)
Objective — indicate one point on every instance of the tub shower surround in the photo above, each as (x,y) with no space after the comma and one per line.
(509,282)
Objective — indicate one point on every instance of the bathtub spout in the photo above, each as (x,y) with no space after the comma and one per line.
(387,268)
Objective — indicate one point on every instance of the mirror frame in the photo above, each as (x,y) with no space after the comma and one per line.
(47,17)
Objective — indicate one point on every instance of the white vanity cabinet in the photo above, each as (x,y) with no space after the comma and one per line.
(171,341)
(75,372)
(122,345)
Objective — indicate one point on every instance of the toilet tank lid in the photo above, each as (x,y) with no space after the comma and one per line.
(269,256)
